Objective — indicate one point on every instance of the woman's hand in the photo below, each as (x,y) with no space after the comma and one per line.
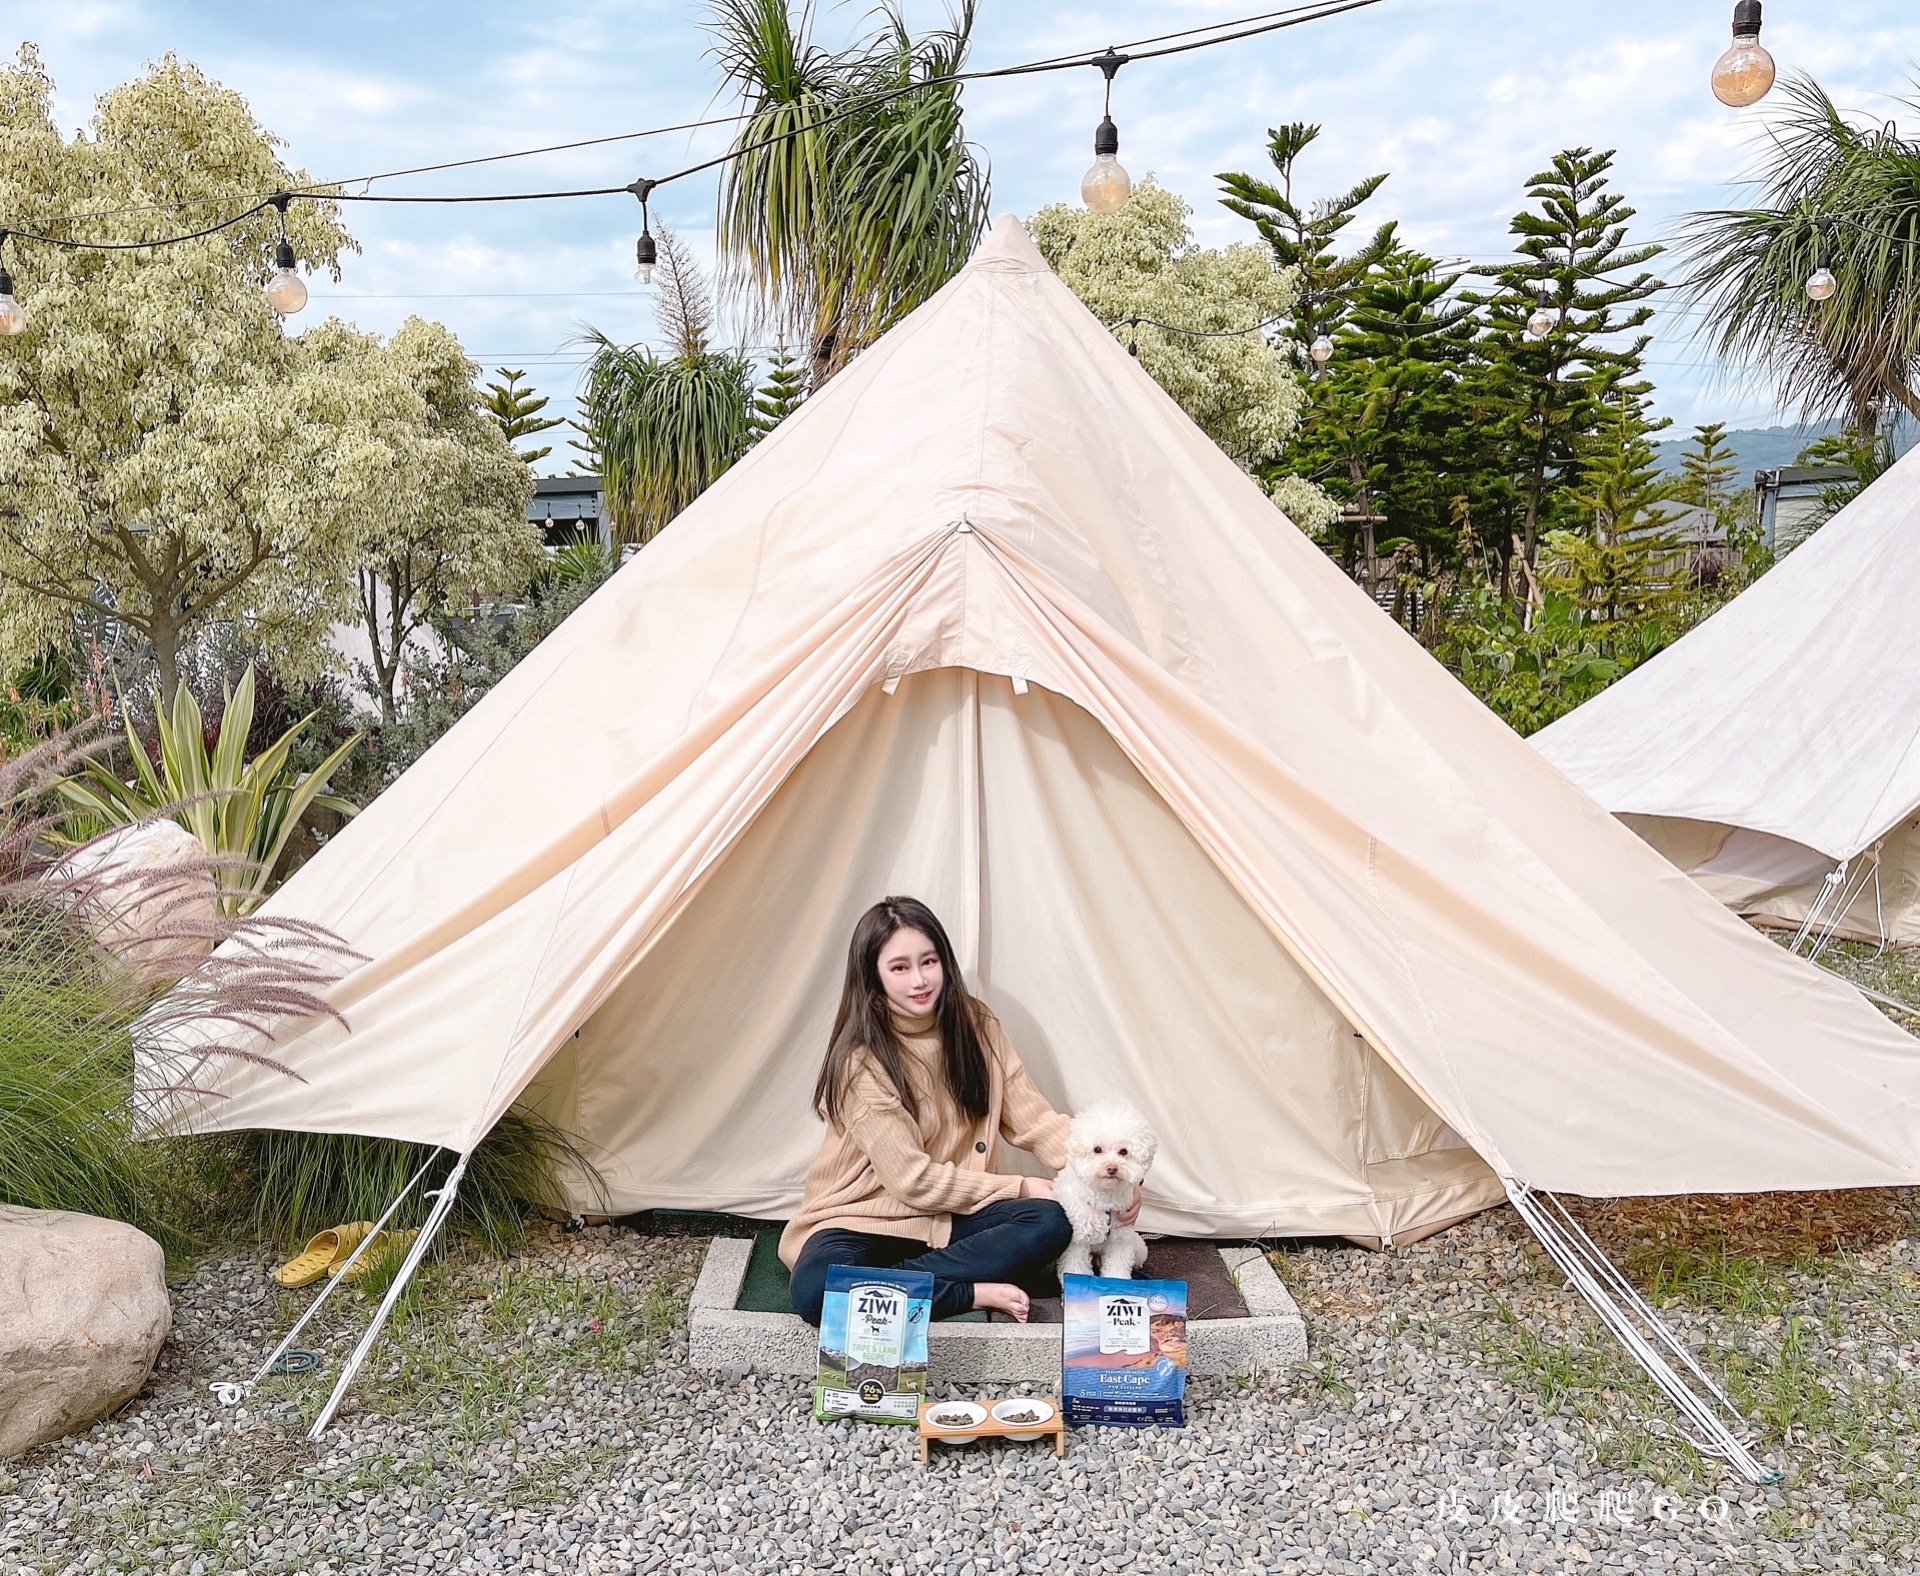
(1127,1216)
(1040,1187)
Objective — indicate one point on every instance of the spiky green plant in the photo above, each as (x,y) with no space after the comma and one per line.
(91,945)
(306,1182)
(242,811)
(1831,192)
(854,194)
(667,426)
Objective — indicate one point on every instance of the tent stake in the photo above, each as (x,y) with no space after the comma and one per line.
(1641,1331)
(442,1198)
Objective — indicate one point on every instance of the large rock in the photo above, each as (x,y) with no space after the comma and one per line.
(83,1313)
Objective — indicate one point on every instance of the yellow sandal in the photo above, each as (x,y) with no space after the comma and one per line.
(322,1252)
(386,1245)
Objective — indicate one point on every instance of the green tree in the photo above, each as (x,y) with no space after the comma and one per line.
(781,392)
(1623,567)
(1303,236)
(437,498)
(1384,432)
(1549,393)
(1832,193)
(1707,467)
(667,426)
(1141,263)
(850,202)
(157,428)
(518,410)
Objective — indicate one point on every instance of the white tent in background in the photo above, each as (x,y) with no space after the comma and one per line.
(1773,753)
(990,621)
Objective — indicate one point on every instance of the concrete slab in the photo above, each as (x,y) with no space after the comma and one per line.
(723,1336)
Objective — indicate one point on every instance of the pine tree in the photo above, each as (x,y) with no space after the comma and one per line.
(1624,567)
(1707,468)
(518,410)
(1303,237)
(1550,393)
(780,393)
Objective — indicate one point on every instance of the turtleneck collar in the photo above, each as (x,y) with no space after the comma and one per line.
(913,1025)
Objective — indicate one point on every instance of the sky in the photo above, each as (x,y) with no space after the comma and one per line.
(1459,100)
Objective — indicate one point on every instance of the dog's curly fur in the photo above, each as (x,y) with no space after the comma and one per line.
(1109,1148)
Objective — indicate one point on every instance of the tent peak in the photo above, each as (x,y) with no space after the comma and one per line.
(1007,246)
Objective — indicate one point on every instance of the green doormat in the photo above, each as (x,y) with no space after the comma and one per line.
(765,1288)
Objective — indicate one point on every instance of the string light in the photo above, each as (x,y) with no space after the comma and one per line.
(1321,350)
(1106,186)
(13,316)
(286,290)
(1821,283)
(1106,193)
(645,253)
(1744,73)
(1540,324)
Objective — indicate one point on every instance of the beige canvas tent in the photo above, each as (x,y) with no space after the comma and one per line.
(990,621)
(1773,753)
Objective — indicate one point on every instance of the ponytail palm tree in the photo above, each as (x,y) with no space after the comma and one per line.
(666,426)
(1834,193)
(855,195)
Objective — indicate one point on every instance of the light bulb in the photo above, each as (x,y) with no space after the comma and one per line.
(1541,323)
(645,255)
(286,290)
(1106,186)
(1821,284)
(1743,74)
(13,316)
(1321,350)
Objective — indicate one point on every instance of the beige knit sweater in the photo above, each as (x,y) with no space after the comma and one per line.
(882,1171)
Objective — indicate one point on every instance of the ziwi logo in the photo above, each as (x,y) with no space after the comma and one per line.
(1124,1324)
(876,1325)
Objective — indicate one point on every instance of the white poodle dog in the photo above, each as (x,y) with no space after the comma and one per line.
(1109,1148)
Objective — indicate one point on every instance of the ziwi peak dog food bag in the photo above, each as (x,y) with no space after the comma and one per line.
(873,1344)
(1124,1361)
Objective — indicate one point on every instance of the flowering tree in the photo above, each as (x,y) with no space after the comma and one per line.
(414,472)
(1141,262)
(156,425)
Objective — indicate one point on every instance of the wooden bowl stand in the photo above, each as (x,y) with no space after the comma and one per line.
(993,1428)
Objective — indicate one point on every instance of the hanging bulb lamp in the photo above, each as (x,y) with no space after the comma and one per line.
(13,316)
(1821,283)
(1744,73)
(1541,323)
(1106,186)
(646,255)
(1321,350)
(286,291)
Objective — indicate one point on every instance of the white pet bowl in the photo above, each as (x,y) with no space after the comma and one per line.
(955,1415)
(1023,1406)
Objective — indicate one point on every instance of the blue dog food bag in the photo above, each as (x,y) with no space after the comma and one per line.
(873,1344)
(1124,1361)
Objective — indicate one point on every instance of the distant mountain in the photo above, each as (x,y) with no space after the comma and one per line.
(1762,448)
(1754,448)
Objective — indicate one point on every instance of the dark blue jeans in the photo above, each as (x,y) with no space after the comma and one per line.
(1015,1240)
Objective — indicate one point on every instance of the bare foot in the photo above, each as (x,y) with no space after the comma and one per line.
(997,1294)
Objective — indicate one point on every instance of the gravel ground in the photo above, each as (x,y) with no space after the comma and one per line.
(1459,1413)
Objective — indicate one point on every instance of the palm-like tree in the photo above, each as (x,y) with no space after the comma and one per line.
(666,426)
(855,194)
(1837,194)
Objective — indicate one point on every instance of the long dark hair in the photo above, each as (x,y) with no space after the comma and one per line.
(865,1023)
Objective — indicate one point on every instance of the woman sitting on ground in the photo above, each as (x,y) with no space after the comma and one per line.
(918,1084)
